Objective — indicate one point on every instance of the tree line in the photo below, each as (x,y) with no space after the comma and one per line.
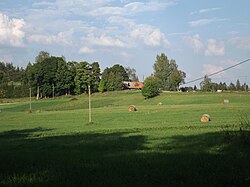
(208,86)
(52,76)
(10,76)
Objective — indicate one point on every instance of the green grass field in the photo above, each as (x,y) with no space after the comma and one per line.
(158,145)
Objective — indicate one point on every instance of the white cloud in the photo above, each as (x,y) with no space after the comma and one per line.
(108,11)
(11,31)
(86,50)
(64,38)
(241,42)
(104,41)
(149,35)
(99,8)
(209,69)
(209,48)
(202,22)
(147,6)
(42,3)
(41,38)
(214,48)
(116,20)
(204,10)
(194,42)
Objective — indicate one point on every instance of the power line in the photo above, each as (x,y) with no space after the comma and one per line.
(225,69)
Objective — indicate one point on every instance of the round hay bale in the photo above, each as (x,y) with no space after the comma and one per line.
(205,118)
(132,108)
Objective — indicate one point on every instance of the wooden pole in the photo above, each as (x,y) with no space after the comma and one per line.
(30,100)
(90,120)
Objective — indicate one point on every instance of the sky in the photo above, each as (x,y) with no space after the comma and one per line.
(202,36)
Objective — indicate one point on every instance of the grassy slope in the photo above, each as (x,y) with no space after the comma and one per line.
(155,146)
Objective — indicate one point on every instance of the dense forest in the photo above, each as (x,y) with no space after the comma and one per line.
(52,76)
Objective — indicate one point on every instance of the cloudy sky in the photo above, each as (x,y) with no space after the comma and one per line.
(203,36)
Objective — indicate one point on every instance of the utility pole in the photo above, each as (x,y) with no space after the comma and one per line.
(90,120)
(30,100)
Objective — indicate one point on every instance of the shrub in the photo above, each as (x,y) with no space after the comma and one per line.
(239,132)
(151,87)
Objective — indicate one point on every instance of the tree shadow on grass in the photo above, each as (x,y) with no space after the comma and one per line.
(120,159)
(21,134)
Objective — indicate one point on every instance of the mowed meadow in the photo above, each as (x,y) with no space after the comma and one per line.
(163,143)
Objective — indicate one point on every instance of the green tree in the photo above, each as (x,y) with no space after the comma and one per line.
(33,77)
(11,81)
(115,81)
(104,80)
(167,72)
(112,78)
(82,73)
(101,87)
(95,73)
(48,71)
(131,72)
(151,87)
(238,86)
(206,84)
(3,77)
(36,73)
(195,87)
(62,80)
(42,56)
(232,87)
(87,74)
(71,77)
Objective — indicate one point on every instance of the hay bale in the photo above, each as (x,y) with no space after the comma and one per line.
(132,108)
(225,101)
(205,118)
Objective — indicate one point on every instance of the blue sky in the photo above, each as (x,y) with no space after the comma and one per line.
(203,36)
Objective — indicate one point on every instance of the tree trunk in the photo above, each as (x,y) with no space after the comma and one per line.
(37,93)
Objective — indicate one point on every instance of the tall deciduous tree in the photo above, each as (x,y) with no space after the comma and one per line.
(87,74)
(81,78)
(103,86)
(206,84)
(167,72)
(151,87)
(95,73)
(112,78)
(42,56)
(132,74)
(71,77)
(49,69)
(62,80)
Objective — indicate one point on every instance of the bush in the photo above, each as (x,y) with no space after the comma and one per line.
(239,132)
(151,87)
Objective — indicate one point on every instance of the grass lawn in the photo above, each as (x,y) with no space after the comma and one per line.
(158,145)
